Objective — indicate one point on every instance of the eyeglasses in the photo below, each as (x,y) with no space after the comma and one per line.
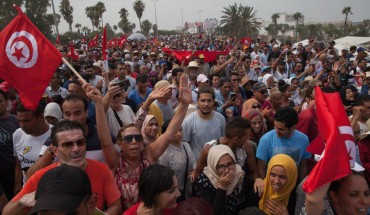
(69,144)
(258,106)
(222,168)
(128,138)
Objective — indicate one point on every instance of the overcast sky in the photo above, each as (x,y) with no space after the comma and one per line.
(169,13)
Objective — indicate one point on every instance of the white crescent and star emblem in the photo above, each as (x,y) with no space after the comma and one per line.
(22,49)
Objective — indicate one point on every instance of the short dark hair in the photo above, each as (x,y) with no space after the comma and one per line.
(208,90)
(287,115)
(142,78)
(176,70)
(234,73)
(219,55)
(76,97)
(38,112)
(4,94)
(236,127)
(193,206)
(224,80)
(88,66)
(158,175)
(64,125)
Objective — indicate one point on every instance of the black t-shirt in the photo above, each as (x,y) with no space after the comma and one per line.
(7,128)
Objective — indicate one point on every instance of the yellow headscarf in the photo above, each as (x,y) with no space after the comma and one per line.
(291,170)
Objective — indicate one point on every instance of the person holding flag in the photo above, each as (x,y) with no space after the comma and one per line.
(334,190)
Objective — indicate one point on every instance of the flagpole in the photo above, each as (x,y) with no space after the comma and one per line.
(65,61)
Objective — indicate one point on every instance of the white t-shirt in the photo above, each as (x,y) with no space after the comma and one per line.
(126,115)
(27,148)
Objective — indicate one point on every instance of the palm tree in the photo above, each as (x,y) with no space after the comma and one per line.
(78,26)
(123,13)
(147,25)
(274,19)
(297,16)
(92,14)
(239,21)
(66,10)
(346,11)
(100,9)
(115,27)
(85,30)
(139,8)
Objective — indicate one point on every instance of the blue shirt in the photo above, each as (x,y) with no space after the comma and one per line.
(295,146)
(138,100)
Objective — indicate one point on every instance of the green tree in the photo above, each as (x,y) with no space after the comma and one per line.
(110,32)
(85,30)
(124,24)
(146,26)
(7,12)
(155,29)
(92,14)
(239,21)
(66,10)
(139,8)
(346,11)
(297,16)
(36,10)
(115,27)
(100,9)
(362,29)
(78,26)
(275,29)
(332,31)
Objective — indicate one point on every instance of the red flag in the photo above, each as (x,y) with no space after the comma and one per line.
(245,40)
(58,39)
(104,45)
(83,40)
(72,52)
(337,133)
(112,42)
(122,41)
(27,59)
(94,42)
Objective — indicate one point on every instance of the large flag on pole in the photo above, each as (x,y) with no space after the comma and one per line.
(27,59)
(104,45)
(337,134)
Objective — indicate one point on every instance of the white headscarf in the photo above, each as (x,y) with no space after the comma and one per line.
(53,109)
(214,155)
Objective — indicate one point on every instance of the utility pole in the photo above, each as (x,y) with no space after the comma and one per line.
(55,18)
(155,14)
(182,20)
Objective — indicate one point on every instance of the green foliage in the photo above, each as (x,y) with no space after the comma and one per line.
(7,12)
(69,36)
(66,10)
(146,26)
(36,10)
(346,11)
(155,29)
(92,13)
(139,8)
(239,21)
(124,24)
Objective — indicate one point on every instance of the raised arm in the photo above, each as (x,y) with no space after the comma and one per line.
(110,153)
(156,149)
(315,200)
(112,91)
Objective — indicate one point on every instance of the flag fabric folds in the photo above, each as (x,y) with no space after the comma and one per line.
(27,59)
(336,132)
(122,40)
(104,44)
(72,52)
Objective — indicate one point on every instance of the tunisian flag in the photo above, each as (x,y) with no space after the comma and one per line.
(27,59)
(122,40)
(337,135)
(104,45)
(94,42)
(72,52)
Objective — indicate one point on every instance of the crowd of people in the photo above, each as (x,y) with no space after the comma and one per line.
(151,133)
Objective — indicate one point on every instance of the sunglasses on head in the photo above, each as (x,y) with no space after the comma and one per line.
(129,138)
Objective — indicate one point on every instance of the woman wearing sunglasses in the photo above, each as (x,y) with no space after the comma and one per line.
(128,165)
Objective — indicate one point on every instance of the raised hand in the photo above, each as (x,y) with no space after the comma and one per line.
(92,93)
(185,91)
(160,92)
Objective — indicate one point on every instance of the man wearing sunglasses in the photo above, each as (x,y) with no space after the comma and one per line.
(69,145)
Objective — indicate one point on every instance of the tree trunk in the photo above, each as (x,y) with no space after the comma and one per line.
(92,24)
(141,29)
(70,27)
(345,25)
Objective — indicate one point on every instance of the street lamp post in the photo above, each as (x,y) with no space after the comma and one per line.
(182,20)
(155,14)
(55,18)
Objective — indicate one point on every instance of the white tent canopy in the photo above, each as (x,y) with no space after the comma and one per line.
(346,42)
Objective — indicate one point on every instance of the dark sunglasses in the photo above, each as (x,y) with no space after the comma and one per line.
(70,144)
(256,106)
(128,138)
